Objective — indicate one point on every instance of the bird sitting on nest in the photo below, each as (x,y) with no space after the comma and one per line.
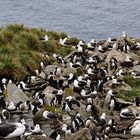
(12,130)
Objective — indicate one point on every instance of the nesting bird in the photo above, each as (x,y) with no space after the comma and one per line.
(12,130)
(135,128)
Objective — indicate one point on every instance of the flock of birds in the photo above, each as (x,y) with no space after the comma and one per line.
(88,89)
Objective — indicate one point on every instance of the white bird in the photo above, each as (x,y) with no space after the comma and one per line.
(46,38)
(103,116)
(124,35)
(80,48)
(4,80)
(42,65)
(112,104)
(63,41)
(11,106)
(127,59)
(81,43)
(109,40)
(135,128)
(100,48)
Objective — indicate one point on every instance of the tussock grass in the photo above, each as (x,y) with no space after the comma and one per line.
(21,47)
(132,81)
(132,94)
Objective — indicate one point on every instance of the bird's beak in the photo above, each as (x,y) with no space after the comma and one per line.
(133,126)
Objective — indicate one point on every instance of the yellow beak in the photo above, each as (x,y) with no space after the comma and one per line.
(132,126)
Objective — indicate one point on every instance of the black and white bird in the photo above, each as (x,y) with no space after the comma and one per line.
(128,62)
(75,65)
(59,58)
(12,130)
(57,99)
(49,115)
(23,86)
(126,113)
(135,74)
(36,129)
(57,71)
(91,45)
(67,129)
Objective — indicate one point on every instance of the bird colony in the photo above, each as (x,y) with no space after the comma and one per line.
(76,97)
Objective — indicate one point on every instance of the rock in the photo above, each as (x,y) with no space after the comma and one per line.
(116,54)
(135,63)
(48,94)
(135,138)
(15,94)
(134,109)
(10,139)
(50,68)
(42,75)
(37,137)
(65,71)
(115,139)
(125,87)
(121,87)
(120,56)
(79,135)
(68,70)
(119,135)
(136,68)
(133,56)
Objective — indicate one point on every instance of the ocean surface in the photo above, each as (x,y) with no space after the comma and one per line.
(85,19)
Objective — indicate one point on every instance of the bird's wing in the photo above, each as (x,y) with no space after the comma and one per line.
(6,129)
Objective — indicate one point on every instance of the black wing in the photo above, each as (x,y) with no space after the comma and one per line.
(6,129)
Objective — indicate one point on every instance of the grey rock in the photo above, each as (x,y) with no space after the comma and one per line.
(79,135)
(15,94)
(48,94)
(37,137)
(135,138)
(119,135)
(68,70)
(134,109)
(116,54)
(50,68)
(136,68)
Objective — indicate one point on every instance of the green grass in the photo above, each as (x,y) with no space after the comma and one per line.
(132,81)
(131,94)
(21,46)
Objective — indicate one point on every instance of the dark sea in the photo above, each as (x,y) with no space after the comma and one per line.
(85,19)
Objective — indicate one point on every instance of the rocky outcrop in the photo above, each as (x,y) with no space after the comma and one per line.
(79,135)
(136,68)
(15,94)
(37,137)
(48,94)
